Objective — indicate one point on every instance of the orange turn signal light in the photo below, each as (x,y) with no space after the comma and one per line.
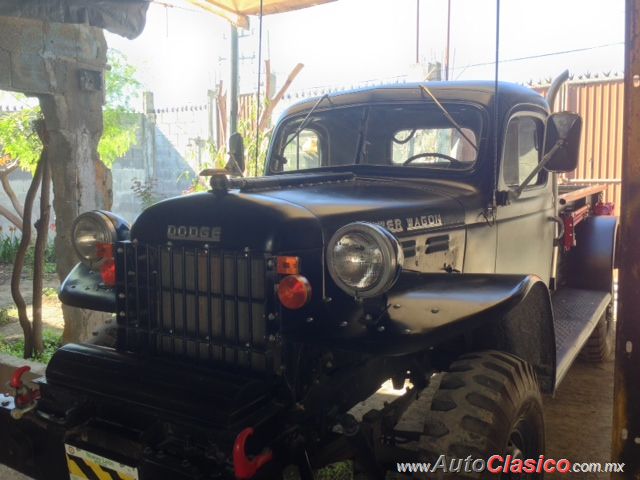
(294,291)
(288,265)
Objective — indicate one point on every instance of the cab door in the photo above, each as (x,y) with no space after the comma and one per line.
(525,226)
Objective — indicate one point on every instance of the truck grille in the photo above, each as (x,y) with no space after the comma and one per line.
(193,302)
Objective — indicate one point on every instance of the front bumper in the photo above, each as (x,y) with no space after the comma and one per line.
(163,419)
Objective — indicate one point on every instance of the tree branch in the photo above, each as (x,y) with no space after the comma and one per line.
(18,263)
(12,217)
(6,185)
(42,229)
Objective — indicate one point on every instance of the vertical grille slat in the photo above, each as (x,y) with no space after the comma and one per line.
(183,270)
(172,297)
(192,302)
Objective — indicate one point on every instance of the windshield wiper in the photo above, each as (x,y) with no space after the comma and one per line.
(305,121)
(449,117)
(361,135)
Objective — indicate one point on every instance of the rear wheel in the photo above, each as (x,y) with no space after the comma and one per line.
(488,403)
(599,347)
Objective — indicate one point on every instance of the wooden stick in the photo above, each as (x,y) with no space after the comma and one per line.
(265,118)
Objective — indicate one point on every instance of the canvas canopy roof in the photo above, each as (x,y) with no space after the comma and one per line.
(237,11)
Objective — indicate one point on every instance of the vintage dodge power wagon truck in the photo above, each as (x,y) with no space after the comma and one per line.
(413,233)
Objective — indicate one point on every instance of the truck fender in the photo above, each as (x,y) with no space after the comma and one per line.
(511,313)
(424,302)
(592,260)
(527,331)
(83,289)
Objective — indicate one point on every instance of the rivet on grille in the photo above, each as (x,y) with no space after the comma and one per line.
(122,314)
(170,332)
(206,246)
(248,345)
(309,319)
(381,328)
(121,295)
(270,263)
(343,324)
(131,273)
(120,250)
(271,316)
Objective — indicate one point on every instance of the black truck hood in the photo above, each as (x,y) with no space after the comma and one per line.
(300,215)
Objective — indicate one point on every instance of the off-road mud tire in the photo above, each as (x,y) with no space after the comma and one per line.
(487,403)
(599,347)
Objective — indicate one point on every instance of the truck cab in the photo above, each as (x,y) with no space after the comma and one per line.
(414,233)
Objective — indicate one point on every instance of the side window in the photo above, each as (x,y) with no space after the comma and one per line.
(303,152)
(523,143)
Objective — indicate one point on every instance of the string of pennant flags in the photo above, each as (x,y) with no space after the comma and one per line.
(318,91)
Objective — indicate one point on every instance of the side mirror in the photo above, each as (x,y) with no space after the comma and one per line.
(562,144)
(235,165)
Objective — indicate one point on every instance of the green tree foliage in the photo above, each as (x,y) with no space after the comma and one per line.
(17,138)
(19,141)
(120,121)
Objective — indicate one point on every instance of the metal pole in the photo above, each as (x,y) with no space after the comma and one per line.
(233,89)
(626,409)
(417,31)
(446,50)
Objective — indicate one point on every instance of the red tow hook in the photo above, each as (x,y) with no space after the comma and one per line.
(25,399)
(243,466)
(16,378)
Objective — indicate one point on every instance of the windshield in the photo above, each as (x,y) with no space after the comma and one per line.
(415,135)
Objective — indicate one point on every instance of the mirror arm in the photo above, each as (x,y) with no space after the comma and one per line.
(559,144)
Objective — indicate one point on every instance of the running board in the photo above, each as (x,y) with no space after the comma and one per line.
(576,313)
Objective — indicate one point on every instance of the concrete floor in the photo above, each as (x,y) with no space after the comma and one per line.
(578,419)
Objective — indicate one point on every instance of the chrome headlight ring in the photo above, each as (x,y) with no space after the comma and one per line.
(364,259)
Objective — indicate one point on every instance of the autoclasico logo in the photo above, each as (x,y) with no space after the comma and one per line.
(508,464)
(494,464)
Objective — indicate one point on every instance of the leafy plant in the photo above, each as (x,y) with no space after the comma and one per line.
(255,146)
(50,292)
(5,318)
(145,191)
(15,347)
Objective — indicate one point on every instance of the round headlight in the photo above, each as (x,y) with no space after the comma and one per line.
(364,259)
(89,230)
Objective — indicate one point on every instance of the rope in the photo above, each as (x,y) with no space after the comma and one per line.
(258,95)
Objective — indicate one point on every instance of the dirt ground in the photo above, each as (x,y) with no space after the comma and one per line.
(51,311)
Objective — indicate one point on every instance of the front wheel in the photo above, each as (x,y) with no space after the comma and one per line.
(488,403)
